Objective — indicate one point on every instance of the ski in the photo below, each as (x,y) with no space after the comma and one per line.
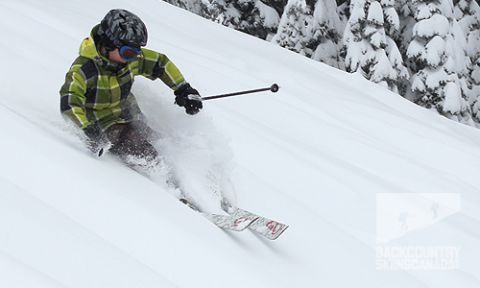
(268,228)
(265,227)
(238,221)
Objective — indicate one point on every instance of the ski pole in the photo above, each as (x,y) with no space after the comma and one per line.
(274,88)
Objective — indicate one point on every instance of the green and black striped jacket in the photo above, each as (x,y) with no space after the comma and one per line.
(93,93)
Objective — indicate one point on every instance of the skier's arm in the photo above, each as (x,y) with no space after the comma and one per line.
(156,65)
(72,103)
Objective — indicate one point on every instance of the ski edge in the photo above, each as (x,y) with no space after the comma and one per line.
(238,222)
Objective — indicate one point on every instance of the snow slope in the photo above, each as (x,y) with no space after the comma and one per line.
(315,155)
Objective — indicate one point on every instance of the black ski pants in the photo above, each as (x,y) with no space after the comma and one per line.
(132,140)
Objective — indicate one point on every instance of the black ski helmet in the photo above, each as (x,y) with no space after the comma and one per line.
(121,27)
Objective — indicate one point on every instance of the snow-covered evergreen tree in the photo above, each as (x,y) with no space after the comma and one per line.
(343,11)
(278,5)
(323,33)
(467,13)
(403,39)
(367,45)
(253,17)
(291,32)
(311,28)
(353,40)
(194,6)
(437,55)
(392,31)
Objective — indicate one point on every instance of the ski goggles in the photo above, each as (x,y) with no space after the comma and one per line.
(129,53)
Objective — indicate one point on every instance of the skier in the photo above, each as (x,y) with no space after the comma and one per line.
(96,94)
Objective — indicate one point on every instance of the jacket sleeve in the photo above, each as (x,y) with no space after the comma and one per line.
(155,65)
(72,93)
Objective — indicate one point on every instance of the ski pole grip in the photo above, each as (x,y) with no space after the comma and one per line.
(274,88)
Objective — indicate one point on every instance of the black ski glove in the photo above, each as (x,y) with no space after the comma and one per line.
(95,139)
(189,98)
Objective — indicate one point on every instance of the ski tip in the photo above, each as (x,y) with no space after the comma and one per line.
(278,233)
(274,230)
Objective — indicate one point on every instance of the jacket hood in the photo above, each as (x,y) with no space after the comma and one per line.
(88,48)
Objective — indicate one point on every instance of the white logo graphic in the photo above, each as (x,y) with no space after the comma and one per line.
(399,214)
